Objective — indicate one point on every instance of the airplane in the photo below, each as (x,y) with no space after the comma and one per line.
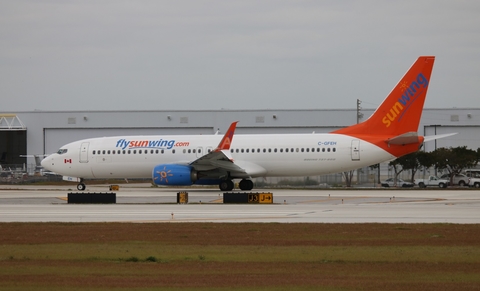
(183,160)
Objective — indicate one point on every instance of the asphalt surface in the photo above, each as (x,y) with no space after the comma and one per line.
(143,203)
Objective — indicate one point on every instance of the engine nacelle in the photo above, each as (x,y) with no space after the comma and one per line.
(173,175)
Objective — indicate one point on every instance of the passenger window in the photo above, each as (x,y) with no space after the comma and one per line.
(140,151)
(334,149)
(128,151)
(93,152)
(328,150)
(173,151)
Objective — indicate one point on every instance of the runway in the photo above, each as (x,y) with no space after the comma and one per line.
(142,203)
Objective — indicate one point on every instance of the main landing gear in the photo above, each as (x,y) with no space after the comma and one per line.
(228,185)
(81,186)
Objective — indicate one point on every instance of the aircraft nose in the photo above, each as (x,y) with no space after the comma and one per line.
(47,163)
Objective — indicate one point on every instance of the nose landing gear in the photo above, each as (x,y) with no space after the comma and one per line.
(81,186)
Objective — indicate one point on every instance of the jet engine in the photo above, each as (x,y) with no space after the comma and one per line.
(174,175)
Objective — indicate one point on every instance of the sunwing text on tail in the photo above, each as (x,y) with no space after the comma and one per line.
(211,159)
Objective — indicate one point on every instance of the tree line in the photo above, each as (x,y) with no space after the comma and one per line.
(450,160)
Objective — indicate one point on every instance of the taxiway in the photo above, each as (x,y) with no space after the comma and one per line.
(142,203)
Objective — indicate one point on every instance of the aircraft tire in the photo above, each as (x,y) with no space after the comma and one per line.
(246,185)
(226,185)
(81,187)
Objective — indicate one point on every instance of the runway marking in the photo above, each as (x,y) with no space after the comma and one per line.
(206,219)
(334,199)
(63,198)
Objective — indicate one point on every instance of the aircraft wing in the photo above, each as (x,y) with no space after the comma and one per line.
(216,160)
(221,159)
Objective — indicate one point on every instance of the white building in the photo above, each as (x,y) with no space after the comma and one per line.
(43,132)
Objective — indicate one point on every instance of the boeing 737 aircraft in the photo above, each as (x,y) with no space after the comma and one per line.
(389,133)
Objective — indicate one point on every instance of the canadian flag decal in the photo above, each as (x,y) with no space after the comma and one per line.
(65,161)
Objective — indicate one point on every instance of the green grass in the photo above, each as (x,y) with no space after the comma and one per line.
(119,256)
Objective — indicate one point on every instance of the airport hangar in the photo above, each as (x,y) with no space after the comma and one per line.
(44,132)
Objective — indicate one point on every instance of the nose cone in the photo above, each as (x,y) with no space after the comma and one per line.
(47,163)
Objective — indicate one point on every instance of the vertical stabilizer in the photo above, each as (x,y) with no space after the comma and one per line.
(401,111)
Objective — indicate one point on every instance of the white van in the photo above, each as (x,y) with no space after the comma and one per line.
(473,173)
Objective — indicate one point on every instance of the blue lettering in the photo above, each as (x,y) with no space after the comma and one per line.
(422,80)
(168,144)
(326,143)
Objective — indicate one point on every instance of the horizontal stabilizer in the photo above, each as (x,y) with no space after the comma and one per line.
(434,137)
(403,139)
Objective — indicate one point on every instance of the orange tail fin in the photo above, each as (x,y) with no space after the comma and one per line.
(401,111)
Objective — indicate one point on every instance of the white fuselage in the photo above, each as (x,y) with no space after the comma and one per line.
(260,155)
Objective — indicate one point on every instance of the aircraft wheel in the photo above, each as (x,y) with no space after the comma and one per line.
(226,185)
(246,185)
(81,187)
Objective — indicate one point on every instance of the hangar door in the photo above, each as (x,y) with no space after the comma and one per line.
(13,140)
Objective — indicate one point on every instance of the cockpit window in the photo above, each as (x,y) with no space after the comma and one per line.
(62,151)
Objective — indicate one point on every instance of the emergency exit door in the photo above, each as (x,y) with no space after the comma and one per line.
(84,152)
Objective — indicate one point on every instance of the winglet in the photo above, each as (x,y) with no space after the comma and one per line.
(227,138)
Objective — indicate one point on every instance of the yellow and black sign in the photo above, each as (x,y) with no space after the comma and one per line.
(182,197)
(250,198)
(265,198)
(260,198)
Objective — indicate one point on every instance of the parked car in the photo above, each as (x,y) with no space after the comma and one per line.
(459,179)
(432,181)
(474,182)
(400,183)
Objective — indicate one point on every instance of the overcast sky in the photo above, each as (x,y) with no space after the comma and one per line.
(181,55)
